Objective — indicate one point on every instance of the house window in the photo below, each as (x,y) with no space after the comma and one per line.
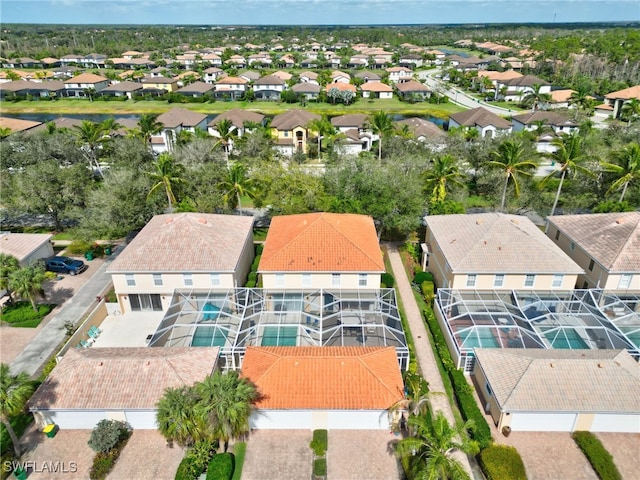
(591,265)
(529,280)
(131,281)
(471,280)
(625,280)
(335,279)
(279,279)
(498,281)
(488,387)
(157,279)
(362,279)
(188,280)
(557,280)
(286,134)
(215,279)
(572,246)
(557,234)
(306,279)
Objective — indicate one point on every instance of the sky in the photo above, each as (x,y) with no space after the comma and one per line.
(315,12)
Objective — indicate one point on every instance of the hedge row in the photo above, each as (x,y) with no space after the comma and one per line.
(221,467)
(319,442)
(501,462)
(598,456)
(464,393)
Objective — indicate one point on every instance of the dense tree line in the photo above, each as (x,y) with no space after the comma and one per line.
(50,174)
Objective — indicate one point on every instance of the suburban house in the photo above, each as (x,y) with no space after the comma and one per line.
(411,60)
(559,99)
(182,250)
(321,250)
(559,390)
(495,251)
(291,132)
(159,85)
(232,88)
(285,76)
(487,123)
(617,99)
(249,75)
(399,74)
(340,77)
(332,388)
(269,87)
(605,245)
(422,130)
(212,74)
(239,118)
(557,124)
(26,247)
(27,88)
(496,79)
(358,135)
(375,89)
(308,77)
(308,90)
(413,90)
(93,384)
(123,89)
(237,60)
(196,89)
(174,121)
(518,88)
(18,125)
(80,85)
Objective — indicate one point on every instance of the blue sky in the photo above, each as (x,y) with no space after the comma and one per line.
(314,12)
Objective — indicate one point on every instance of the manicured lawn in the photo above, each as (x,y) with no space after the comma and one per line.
(21,314)
(260,234)
(63,236)
(19,424)
(239,450)
(79,106)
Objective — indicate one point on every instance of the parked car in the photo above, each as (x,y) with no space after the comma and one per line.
(66,265)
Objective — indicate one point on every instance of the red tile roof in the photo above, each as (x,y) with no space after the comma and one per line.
(332,378)
(322,242)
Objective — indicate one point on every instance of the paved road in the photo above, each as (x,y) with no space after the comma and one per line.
(424,353)
(46,342)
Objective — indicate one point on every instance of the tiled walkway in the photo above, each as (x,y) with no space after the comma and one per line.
(362,455)
(278,455)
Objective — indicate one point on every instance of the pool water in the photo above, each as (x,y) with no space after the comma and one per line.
(208,337)
(479,338)
(280,336)
(565,339)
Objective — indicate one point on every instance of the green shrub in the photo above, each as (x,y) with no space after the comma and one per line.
(598,456)
(111,296)
(221,467)
(250,284)
(320,467)
(78,247)
(196,460)
(103,462)
(252,277)
(501,462)
(428,291)
(387,280)
(21,314)
(48,368)
(319,442)
(256,262)
(239,449)
(187,470)
(422,277)
(107,434)
(259,249)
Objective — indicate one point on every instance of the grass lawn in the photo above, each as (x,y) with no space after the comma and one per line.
(80,106)
(19,424)
(260,234)
(239,449)
(21,314)
(63,236)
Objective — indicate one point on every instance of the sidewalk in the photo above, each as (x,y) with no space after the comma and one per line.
(424,354)
(45,343)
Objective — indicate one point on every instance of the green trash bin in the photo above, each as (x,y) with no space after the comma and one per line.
(20,473)
(89,255)
(107,250)
(50,430)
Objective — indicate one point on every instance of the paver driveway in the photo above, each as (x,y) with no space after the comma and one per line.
(625,449)
(278,455)
(362,455)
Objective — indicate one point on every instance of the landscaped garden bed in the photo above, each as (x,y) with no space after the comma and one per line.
(21,314)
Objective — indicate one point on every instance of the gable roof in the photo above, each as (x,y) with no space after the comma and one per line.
(186,242)
(321,242)
(350,120)
(331,378)
(121,378)
(549,118)
(87,78)
(480,117)
(497,243)
(293,118)
(238,117)
(554,380)
(611,239)
(21,245)
(412,86)
(181,117)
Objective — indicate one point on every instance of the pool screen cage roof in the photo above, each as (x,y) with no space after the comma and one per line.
(236,318)
(541,319)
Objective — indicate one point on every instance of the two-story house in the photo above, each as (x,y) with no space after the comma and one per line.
(291,131)
(80,85)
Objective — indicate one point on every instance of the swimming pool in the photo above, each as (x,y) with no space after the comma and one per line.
(279,336)
(566,338)
(478,338)
(208,337)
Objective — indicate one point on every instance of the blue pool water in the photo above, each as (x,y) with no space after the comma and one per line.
(208,337)
(565,339)
(480,338)
(280,336)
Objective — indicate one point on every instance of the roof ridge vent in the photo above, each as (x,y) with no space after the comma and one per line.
(203,221)
(620,220)
(168,220)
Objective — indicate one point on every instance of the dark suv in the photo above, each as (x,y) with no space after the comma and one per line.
(66,265)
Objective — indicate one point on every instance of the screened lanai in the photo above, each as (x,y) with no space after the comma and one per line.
(525,319)
(237,318)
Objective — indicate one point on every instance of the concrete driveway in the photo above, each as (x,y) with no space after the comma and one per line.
(278,455)
(362,455)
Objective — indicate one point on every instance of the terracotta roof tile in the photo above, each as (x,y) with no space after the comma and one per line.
(322,242)
(186,242)
(87,78)
(121,378)
(375,86)
(626,94)
(333,378)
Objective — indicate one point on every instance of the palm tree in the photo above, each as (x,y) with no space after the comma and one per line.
(535,97)
(26,282)
(630,110)
(168,174)
(568,156)
(510,158)
(110,126)
(626,167)
(91,136)
(4,132)
(15,391)
(322,126)
(428,452)
(178,418)
(227,134)
(236,185)
(444,169)
(148,125)
(381,125)
(8,265)
(227,400)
